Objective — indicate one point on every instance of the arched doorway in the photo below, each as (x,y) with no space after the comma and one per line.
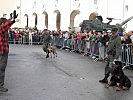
(27,20)
(35,15)
(72,17)
(46,19)
(58,19)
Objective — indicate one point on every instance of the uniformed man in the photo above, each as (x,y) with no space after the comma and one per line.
(46,42)
(113,53)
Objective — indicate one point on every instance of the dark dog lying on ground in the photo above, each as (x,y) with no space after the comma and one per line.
(118,78)
(52,50)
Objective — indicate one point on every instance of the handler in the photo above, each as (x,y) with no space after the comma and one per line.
(46,42)
(113,53)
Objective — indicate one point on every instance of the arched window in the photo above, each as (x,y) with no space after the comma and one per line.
(72,17)
(46,19)
(58,19)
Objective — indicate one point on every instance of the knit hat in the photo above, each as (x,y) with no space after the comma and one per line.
(2,20)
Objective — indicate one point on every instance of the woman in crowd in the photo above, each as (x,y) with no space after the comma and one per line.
(92,43)
(125,49)
(87,45)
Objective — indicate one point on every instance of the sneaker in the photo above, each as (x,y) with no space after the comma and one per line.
(103,81)
(2,89)
(93,57)
(96,59)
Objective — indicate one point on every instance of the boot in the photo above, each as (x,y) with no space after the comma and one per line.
(2,89)
(1,84)
(105,79)
(47,56)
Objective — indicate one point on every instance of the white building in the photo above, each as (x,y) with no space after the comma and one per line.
(8,6)
(67,14)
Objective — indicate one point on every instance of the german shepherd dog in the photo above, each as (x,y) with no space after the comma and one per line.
(52,51)
(118,78)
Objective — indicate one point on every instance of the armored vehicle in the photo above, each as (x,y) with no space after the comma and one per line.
(96,22)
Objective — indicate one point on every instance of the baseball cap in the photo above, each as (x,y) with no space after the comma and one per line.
(109,31)
(114,29)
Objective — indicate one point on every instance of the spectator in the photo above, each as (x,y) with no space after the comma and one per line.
(125,42)
(87,51)
(11,36)
(4,47)
(126,39)
(79,42)
(93,39)
(100,46)
(31,33)
(105,41)
(131,35)
(83,40)
(16,36)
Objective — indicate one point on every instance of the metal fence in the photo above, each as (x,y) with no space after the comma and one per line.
(94,50)
(126,55)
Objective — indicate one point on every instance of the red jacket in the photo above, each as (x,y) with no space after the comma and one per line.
(17,35)
(4,47)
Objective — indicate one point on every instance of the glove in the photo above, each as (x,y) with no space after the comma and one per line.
(11,16)
(15,15)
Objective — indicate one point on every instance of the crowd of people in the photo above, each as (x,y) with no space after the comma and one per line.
(93,43)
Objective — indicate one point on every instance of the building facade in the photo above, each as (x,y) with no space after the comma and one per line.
(68,14)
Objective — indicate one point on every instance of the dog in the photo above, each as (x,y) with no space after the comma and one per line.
(52,51)
(118,78)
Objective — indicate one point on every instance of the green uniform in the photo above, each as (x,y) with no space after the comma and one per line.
(114,51)
(46,41)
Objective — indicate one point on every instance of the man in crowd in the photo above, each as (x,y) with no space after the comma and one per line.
(31,33)
(113,53)
(4,47)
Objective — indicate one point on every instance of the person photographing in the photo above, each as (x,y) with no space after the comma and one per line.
(5,24)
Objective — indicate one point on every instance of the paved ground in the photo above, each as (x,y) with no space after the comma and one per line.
(70,76)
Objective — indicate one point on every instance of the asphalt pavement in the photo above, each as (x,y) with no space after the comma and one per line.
(70,76)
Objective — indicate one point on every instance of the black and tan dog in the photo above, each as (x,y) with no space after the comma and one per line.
(118,78)
(52,51)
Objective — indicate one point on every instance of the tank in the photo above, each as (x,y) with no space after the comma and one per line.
(96,22)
